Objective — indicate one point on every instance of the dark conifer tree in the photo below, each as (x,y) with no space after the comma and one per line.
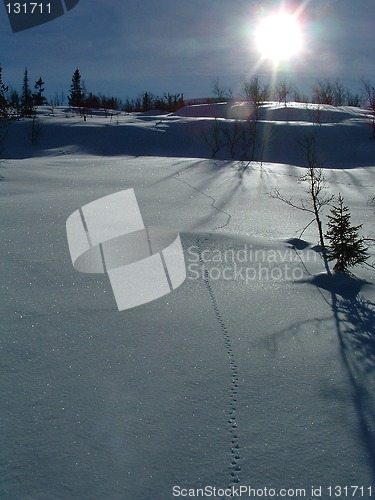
(4,118)
(347,248)
(146,102)
(26,97)
(76,96)
(4,105)
(39,99)
(15,101)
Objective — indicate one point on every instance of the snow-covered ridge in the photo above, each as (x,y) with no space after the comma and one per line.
(342,134)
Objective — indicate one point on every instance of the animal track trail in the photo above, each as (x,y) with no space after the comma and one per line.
(234,467)
(213,200)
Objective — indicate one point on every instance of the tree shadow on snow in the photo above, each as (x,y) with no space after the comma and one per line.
(355,325)
(358,332)
(341,284)
(354,319)
(298,243)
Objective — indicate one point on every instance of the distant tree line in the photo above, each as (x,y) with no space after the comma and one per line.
(148,101)
(324,92)
(79,98)
(4,118)
(247,138)
(329,92)
(21,104)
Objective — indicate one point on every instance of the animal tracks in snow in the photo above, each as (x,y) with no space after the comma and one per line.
(235,467)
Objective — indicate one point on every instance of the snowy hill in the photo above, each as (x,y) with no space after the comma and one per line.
(342,133)
(258,371)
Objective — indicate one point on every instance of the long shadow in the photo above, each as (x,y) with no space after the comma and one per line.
(354,318)
(355,324)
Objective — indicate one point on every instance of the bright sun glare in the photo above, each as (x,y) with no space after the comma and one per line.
(278,37)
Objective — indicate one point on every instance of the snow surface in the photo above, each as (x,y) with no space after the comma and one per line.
(265,383)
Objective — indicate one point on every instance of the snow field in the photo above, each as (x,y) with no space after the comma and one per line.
(267,382)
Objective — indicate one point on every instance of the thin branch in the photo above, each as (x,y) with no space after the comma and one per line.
(289,201)
(308,225)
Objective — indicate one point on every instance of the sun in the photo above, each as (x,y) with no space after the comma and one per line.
(278,37)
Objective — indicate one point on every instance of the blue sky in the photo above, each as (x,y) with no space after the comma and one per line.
(125,47)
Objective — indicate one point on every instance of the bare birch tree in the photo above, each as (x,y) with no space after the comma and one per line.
(316,187)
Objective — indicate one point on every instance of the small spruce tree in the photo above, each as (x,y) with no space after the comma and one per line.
(347,247)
